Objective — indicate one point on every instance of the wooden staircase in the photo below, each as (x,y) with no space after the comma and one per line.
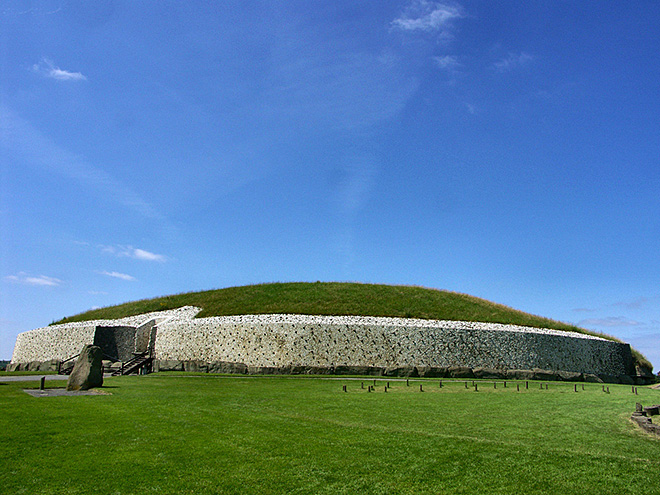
(135,365)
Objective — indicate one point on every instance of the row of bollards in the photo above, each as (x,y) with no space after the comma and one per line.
(372,388)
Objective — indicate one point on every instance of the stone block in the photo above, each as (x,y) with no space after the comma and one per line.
(626,379)
(608,378)
(13,366)
(359,370)
(431,371)
(545,375)
(489,373)
(88,371)
(520,374)
(404,371)
(170,365)
(591,378)
(570,376)
(460,372)
(195,366)
(227,367)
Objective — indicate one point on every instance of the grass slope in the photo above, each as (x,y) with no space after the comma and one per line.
(340,298)
(269,435)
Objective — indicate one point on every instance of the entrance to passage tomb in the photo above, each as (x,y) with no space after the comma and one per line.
(117,343)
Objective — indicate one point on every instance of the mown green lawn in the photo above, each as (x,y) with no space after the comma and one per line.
(219,434)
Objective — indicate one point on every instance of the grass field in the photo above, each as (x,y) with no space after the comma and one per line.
(204,434)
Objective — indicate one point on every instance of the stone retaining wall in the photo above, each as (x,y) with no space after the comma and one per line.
(340,343)
(280,341)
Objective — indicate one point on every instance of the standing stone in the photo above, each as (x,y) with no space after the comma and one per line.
(88,370)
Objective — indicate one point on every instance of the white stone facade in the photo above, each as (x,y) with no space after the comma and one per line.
(327,341)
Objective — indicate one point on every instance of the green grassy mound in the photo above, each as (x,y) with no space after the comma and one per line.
(338,298)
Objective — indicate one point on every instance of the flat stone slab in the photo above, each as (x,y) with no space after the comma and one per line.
(62,392)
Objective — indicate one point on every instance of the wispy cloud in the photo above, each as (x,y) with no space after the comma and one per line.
(513,61)
(47,68)
(583,310)
(135,253)
(422,15)
(40,281)
(610,321)
(447,63)
(21,140)
(638,303)
(121,276)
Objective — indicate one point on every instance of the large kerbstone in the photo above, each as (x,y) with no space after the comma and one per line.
(88,371)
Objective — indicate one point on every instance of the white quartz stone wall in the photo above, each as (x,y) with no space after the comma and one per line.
(297,340)
(325,341)
(67,339)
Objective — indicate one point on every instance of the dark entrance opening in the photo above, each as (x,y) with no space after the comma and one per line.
(117,343)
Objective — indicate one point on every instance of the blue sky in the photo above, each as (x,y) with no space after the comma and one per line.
(508,150)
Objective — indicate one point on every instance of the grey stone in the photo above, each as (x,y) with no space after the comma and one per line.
(169,365)
(228,367)
(431,371)
(359,370)
(404,371)
(570,376)
(460,372)
(626,379)
(608,378)
(88,371)
(652,410)
(13,366)
(489,373)
(195,366)
(520,374)
(545,375)
(33,365)
(591,378)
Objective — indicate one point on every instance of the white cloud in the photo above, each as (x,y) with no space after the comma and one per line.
(422,15)
(448,62)
(135,253)
(610,321)
(121,276)
(40,281)
(46,68)
(513,61)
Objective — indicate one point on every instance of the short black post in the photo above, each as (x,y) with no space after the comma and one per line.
(603,388)
(476,389)
(374,382)
(505,384)
(465,384)
(632,389)
(518,387)
(385,389)
(362,384)
(546,386)
(440,383)
(407,383)
(494,384)
(42,385)
(369,388)
(388,384)
(636,391)
(608,389)
(541,386)
(575,387)
(345,388)
(526,385)
(583,386)
(420,388)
